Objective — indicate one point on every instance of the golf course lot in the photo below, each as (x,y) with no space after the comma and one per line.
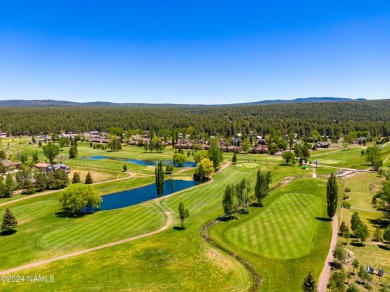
(283,240)
(286,238)
(363,186)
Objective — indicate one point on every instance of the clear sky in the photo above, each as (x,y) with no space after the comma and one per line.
(194,51)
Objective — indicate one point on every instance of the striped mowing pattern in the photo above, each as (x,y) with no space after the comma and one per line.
(284,230)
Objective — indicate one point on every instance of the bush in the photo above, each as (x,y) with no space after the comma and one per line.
(346,205)
(345,197)
(30,191)
(347,190)
(169,169)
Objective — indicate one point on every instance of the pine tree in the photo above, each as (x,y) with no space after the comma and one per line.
(234,159)
(183,214)
(331,195)
(88,179)
(262,186)
(9,184)
(309,284)
(9,222)
(76,178)
(124,167)
(159,179)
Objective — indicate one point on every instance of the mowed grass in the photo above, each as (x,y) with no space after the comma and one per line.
(351,158)
(170,261)
(284,230)
(282,262)
(42,234)
(363,187)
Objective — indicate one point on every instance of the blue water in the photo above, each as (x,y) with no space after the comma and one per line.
(139,195)
(139,162)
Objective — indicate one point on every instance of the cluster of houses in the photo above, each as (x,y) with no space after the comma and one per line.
(45,167)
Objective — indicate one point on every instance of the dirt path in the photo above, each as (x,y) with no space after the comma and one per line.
(69,255)
(326,271)
(131,175)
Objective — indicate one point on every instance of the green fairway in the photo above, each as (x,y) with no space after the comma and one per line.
(284,230)
(172,260)
(299,244)
(42,233)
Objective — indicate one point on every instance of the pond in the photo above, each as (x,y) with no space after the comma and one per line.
(138,161)
(143,194)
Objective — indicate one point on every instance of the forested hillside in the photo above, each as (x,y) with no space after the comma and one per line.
(328,118)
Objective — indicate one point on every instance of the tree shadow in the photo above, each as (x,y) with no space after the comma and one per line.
(379,223)
(385,247)
(8,232)
(256,205)
(326,219)
(357,244)
(66,214)
(179,228)
(285,164)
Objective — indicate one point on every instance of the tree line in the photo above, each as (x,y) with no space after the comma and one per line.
(328,119)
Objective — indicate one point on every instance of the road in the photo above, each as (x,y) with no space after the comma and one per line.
(329,259)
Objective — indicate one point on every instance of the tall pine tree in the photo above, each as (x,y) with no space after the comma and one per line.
(9,222)
(88,179)
(159,179)
(332,195)
(309,284)
(262,186)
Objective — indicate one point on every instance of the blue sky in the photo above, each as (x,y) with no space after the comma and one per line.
(206,52)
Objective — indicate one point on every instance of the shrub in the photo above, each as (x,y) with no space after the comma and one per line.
(347,190)
(346,205)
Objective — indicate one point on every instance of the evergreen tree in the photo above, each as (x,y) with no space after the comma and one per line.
(355,221)
(309,284)
(343,228)
(234,159)
(262,186)
(9,222)
(159,179)
(9,184)
(331,195)
(88,179)
(124,167)
(72,151)
(183,214)
(227,202)
(76,178)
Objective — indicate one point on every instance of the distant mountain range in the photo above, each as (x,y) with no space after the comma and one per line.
(51,103)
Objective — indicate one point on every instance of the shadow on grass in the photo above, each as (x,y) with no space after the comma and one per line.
(8,232)
(385,247)
(357,244)
(256,205)
(179,228)
(285,164)
(326,219)
(65,214)
(381,223)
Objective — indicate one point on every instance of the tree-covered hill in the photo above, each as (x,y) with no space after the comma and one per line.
(331,118)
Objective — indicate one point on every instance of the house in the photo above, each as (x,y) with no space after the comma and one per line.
(322,144)
(43,166)
(59,166)
(261,141)
(47,167)
(94,133)
(3,135)
(10,165)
